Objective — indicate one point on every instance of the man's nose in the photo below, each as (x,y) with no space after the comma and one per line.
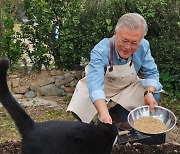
(128,45)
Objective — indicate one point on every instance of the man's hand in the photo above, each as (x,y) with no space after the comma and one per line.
(150,100)
(103,111)
(105,118)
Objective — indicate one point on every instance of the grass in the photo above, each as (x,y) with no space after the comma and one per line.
(8,130)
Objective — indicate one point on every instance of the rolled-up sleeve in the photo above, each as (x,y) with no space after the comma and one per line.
(97,94)
(151,82)
(95,75)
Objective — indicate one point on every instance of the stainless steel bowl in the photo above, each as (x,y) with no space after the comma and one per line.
(159,112)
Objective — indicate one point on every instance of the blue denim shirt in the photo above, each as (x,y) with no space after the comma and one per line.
(100,57)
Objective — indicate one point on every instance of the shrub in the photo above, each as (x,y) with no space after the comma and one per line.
(52,28)
(83,23)
(10,42)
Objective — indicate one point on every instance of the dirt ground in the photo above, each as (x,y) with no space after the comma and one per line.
(12,147)
(172,147)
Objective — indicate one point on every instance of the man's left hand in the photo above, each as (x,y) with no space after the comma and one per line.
(150,100)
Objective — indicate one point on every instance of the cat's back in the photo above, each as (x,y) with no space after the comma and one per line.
(63,137)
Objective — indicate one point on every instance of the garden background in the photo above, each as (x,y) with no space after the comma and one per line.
(63,32)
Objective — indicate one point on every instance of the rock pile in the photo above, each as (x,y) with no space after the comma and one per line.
(44,83)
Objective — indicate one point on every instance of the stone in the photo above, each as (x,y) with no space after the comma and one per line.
(83,74)
(15,82)
(34,87)
(73,83)
(51,90)
(24,81)
(20,90)
(30,94)
(55,72)
(46,81)
(18,96)
(68,77)
(77,74)
(9,85)
(37,101)
(69,89)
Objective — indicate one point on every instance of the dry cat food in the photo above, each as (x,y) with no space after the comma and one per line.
(149,125)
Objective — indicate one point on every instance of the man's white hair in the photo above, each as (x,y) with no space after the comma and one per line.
(133,21)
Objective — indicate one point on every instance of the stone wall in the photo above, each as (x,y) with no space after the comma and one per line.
(44,83)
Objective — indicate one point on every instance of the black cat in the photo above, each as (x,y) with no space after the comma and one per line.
(55,137)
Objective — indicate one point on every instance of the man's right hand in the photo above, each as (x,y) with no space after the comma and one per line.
(103,111)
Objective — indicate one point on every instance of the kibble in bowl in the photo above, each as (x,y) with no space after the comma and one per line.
(159,121)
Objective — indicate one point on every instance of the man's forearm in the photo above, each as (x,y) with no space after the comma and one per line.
(101,106)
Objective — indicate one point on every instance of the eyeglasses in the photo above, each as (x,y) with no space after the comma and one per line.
(133,44)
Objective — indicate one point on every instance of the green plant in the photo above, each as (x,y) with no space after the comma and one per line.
(166,55)
(168,81)
(163,18)
(67,99)
(10,42)
(52,28)
(82,24)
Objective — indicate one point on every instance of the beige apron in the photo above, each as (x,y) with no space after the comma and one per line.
(121,85)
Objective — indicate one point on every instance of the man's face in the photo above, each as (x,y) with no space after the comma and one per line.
(127,41)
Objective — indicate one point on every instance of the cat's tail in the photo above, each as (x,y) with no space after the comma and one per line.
(21,118)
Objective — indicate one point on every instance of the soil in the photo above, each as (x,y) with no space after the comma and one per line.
(172,147)
(13,147)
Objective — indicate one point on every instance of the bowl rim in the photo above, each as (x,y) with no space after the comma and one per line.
(146,106)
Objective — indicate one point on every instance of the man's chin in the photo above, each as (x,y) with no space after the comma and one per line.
(124,56)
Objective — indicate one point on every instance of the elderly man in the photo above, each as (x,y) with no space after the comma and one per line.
(112,74)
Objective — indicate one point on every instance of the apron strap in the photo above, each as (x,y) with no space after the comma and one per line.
(111,54)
